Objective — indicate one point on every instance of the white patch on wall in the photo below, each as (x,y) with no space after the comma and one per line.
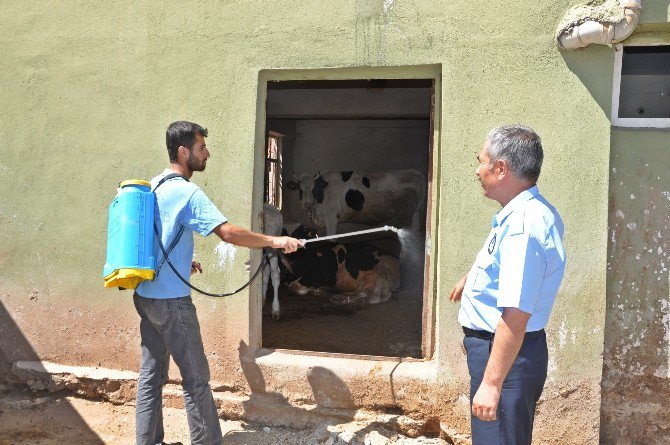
(552,367)
(631,226)
(620,214)
(562,334)
(387,5)
(226,253)
(632,196)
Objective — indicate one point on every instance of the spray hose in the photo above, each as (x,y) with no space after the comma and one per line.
(263,259)
(166,257)
(209,294)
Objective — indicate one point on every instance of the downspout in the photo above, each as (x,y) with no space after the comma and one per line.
(611,22)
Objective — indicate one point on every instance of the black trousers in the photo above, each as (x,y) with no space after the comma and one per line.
(520,392)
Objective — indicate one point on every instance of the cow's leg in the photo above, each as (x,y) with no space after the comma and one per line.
(266,278)
(331,226)
(274,270)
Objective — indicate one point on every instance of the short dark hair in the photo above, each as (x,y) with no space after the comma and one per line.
(520,146)
(182,133)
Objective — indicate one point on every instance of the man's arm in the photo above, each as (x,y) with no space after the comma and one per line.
(457,291)
(246,238)
(508,339)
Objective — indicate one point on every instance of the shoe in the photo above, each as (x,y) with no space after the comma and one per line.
(172,443)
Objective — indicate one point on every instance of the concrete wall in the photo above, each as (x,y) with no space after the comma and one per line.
(87,91)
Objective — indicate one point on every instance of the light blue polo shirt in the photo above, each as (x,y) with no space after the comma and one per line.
(521,265)
(179,204)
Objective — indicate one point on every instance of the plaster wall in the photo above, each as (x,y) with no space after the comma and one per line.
(89,89)
(343,145)
(636,368)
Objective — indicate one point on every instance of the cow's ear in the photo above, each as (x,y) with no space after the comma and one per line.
(292,185)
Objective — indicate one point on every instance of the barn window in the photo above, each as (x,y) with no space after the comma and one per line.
(641,96)
(347,129)
(273,169)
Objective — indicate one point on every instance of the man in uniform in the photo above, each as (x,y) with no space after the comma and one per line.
(169,324)
(508,294)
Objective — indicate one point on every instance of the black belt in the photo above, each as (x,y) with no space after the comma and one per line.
(486,335)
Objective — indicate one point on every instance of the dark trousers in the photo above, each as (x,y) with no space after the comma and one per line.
(520,392)
(170,327)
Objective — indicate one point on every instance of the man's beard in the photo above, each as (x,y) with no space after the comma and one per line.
(193,165)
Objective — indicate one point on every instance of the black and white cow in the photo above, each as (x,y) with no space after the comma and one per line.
(366,198)
(273,222)
(355,272)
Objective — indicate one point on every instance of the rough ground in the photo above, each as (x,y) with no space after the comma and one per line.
(57,418)
(392,328)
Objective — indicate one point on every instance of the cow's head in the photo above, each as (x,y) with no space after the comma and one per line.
(310,189)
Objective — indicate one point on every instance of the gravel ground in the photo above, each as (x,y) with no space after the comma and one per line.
(57,418)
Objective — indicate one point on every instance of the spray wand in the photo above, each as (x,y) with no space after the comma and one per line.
(346,235)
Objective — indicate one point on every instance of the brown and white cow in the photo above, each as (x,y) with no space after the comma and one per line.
(367,198)
(355,272)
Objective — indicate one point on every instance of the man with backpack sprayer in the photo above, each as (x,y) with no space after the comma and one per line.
(169,324)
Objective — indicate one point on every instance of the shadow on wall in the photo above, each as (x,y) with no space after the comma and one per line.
(594,66)
(24,417)
(332,397)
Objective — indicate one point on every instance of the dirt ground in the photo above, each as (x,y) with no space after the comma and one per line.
(313,323)
(392,328)
(28,418)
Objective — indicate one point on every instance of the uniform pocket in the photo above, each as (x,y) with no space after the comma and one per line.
(482,271)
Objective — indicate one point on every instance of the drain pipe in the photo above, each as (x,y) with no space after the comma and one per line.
(611,22)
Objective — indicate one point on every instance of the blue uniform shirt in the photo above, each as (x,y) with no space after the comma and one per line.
(180,203)
(521,265)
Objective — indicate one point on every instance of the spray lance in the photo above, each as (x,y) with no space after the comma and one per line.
(130,239)
(346,235)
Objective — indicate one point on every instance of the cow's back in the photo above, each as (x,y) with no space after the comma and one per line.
(373,197)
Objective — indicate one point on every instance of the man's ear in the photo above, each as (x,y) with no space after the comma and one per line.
(179,150)
(502,167)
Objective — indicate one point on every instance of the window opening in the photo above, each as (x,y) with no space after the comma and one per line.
(641,96)
(273,168)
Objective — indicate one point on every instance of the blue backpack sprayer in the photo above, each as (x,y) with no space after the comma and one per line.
(130,238)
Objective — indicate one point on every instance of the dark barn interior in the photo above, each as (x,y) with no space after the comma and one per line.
(344,126)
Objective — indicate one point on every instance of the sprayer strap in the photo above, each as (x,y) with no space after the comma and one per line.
(181,229)
(167,178)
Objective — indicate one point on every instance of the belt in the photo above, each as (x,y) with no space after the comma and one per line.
(486,335)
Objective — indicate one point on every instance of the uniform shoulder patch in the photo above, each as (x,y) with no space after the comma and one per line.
(492,244)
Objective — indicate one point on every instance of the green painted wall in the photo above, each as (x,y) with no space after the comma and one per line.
(87,91)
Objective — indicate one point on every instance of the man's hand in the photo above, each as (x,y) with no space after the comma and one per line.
(195,267)
(288,244)
(485,402)
(457,291)
(509,336)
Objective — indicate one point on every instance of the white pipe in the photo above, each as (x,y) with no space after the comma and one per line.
(590,31)
(344,235)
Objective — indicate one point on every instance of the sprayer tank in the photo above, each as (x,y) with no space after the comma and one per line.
(130,256)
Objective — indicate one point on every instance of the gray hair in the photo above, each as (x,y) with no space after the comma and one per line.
(520,147)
